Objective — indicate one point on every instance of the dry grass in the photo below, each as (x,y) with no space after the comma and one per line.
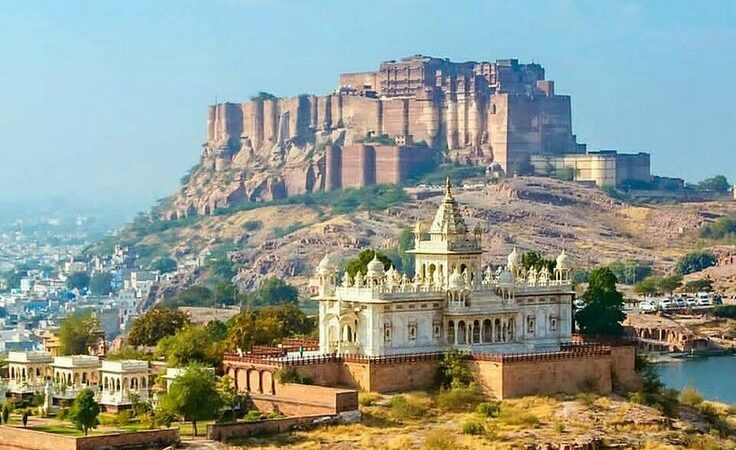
(522,421)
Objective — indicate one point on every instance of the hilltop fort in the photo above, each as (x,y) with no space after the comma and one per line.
(391,126)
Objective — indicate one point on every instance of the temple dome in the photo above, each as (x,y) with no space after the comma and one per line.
(506,277)
(375,267)
(326,266)
(513,260)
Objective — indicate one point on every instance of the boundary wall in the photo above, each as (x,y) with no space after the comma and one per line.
(574,368)
(228,431)
(14,438)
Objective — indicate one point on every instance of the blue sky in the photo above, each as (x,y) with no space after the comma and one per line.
(105,101)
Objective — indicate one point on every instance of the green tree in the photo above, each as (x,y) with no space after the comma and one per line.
(604,306)
(360,262)
(272,291)
(647,286)
(164,265)
(695,262)
(228,394)
(85,411)
(101,283)
(722,228)
(266,326)
(6,412)
(75,332)
(78,280)
(192,296)
(536,260)
(217,330)
(226,293)
(453,371)
(192,344)
(156,324)
(718,183)
(701,285)
(669,284)
(193,396)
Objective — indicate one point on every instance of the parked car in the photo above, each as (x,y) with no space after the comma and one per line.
(647,306)
(680,302)
(691,301)
(666,303)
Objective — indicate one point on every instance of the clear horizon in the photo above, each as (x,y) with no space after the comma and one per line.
(104,103)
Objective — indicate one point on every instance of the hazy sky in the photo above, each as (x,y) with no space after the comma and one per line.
(105,101)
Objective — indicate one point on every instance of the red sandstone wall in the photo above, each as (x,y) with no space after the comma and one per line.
(623,367)
(402,376)
(358,166)
(489,376)
(12,438)
(564,375)
(387,164)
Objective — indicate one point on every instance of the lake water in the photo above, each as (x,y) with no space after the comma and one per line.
(714,377)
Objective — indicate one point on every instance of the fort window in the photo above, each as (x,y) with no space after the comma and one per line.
(387,333)
(553,323)
(530,324)
(437,330)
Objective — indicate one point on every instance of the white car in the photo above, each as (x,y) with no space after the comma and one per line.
(691,302)
(648,306)
(704,301)
(667,303)
(680,302)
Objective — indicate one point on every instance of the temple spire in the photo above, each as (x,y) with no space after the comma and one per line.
(448,187)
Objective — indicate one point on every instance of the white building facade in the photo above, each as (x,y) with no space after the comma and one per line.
(449,302)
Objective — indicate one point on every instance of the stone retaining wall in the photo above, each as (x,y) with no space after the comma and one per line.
(12,438)
(228,431)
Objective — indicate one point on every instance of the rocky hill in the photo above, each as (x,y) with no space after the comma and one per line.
(547,215)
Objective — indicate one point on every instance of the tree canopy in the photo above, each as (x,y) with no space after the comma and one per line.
(360,262)
(193,395)
(85,411)
(100,283)
(78,280)
(192,296)
(718,183)
(272,291)
(695,262)
(75,332)
(156,324)
(536,260)
(652,285)
(191,344)
(266,326)
(164,265)
(604,305)
(226,293)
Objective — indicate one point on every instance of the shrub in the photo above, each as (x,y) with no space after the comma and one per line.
(459,398)
(473,427)
(123,418)
(252,416)
(691,397)
(252,225)
(403,407)
(439,440)
(559,427)
(488,409)
(725,311)
(367,399)
(695,262)
(292,376)
(453,371)
(515,416)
